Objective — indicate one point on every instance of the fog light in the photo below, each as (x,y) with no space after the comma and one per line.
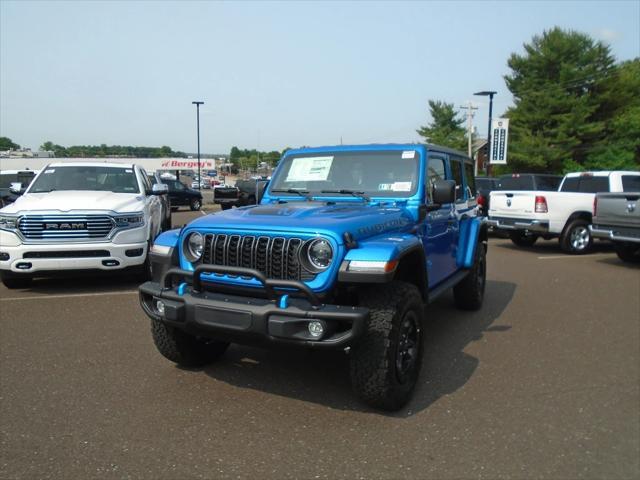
(160,307)
(316,329)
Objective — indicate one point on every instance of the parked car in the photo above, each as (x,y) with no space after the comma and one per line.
(13,183)
(226,196)
(484,186)
(343,251)
(566,214)
(80,216)
(155,179)
(616,217)
(528,181)
(181,195)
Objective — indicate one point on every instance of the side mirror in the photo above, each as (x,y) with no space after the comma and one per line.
(443,191)
(261,186)
(159,189)
(16,187)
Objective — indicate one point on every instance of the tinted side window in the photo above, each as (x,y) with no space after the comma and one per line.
(571,184)
(456,171)
(546,183)
(435,171)
(631,183)
(471,180)
(594,184)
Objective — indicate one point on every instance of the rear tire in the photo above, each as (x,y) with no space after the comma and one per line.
(184,349)
(15,282)
(522,239)
(385,363)
(469,293)
(195,204)
(576,238)
(628,252)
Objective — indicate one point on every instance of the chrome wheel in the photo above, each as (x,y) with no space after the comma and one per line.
(580,238)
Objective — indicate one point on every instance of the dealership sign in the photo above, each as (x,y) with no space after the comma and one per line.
(499,140)
(186,164)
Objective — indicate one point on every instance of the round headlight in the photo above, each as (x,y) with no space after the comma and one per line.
(320,253)
(195,246)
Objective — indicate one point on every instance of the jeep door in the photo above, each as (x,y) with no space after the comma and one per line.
(440,227)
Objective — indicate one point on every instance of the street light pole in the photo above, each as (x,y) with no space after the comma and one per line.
(197,104)
(490,94)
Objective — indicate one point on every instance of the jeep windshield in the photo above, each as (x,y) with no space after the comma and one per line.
(103,179)
(386,173)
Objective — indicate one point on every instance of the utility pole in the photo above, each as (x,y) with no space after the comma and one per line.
(470,108)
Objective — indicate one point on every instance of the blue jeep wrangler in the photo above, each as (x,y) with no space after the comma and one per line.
(343,251)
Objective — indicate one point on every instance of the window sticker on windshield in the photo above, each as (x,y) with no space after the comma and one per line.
(309,169)
(128,170)
(408,154)
(50,170)
(401,187)
(385,186)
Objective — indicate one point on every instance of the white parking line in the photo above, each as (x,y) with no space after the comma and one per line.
(552,257)
(202,212)
(72,295)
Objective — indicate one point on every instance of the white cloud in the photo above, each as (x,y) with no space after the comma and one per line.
(607,34)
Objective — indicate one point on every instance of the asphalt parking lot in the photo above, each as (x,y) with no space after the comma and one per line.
(542,382)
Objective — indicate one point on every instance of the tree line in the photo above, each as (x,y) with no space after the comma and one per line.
(104,150)
(575,108)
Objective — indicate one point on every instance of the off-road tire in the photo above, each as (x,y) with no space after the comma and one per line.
(628,252)
(184,349)
(469,293)
(195,204)
(576,238)
(375,374)
(15,282)
(522,240)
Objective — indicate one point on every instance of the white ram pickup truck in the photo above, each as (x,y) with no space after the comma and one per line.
(566,214)
(80,216)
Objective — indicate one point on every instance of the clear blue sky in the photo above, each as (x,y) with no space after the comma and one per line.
(272,74)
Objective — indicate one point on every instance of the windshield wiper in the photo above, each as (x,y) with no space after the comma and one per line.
(295,191)
(355,193)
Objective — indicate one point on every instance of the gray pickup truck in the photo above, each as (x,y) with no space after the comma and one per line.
(616,217)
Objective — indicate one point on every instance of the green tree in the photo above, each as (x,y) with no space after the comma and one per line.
(557,86)
(7,144)
(446,126)
(618,148)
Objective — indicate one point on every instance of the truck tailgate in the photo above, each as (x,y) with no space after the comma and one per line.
(514,204)
(621,209)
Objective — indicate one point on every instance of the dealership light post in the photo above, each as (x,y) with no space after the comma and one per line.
(197,104)
(490,94)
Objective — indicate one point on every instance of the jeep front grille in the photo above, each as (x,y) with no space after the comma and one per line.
(275,257)
(65,227)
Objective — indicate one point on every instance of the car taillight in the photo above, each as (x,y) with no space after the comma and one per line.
(541,204)
(482,201)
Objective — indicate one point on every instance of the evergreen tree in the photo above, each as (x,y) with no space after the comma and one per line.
(445,128)
(557,86)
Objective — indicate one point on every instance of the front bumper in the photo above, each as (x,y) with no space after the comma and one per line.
(617,234)
(278,318)
(500,223)
(34,258)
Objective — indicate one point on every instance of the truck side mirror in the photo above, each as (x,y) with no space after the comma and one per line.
(159,189)
(261,186)
(16,187)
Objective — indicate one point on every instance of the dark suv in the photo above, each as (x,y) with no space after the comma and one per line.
(181,195)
